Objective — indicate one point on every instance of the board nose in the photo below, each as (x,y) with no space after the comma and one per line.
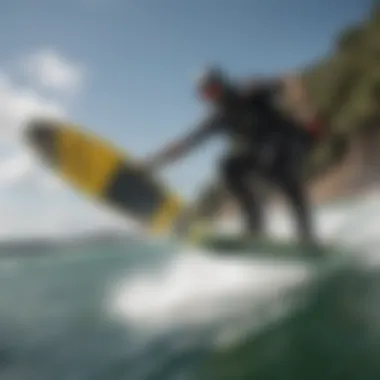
(40,133)
(37,131)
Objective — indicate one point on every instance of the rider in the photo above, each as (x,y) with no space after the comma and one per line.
(269,144)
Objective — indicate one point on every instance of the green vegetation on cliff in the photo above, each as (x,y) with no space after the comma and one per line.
(344,88)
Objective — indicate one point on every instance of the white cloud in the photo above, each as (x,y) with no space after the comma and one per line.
(31,197)
(18,104)
(14,168)
(48,68)
(20,169)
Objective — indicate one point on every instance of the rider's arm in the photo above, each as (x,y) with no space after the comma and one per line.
(292,88)
(299,97)
(177,149)
(291,84)
(303,109)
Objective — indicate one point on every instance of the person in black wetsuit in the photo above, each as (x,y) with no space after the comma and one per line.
(269,145)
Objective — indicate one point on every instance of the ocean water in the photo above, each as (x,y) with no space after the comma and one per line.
(129,309)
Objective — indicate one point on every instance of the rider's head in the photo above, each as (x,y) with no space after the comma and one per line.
(213,85)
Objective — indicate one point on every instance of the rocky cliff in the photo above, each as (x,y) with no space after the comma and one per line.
(358,172)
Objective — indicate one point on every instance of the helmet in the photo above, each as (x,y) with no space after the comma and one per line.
(212,83)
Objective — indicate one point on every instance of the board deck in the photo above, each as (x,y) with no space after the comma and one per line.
(237,245)
(103,172)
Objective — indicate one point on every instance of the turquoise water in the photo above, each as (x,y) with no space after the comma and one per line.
(334,335)
(124,309)
(55,321)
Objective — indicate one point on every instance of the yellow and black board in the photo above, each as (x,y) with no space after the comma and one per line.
(101,171)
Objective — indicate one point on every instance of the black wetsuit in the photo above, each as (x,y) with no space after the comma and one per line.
(269,145)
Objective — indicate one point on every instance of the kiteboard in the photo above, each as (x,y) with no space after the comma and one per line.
(105,173)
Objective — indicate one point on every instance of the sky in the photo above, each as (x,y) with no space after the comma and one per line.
(126,70)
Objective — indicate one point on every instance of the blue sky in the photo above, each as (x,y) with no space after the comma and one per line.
(137,60)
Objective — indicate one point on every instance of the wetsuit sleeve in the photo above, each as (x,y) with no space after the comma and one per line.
(177,149)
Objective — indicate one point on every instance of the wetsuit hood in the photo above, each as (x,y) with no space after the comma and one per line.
(214,86)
